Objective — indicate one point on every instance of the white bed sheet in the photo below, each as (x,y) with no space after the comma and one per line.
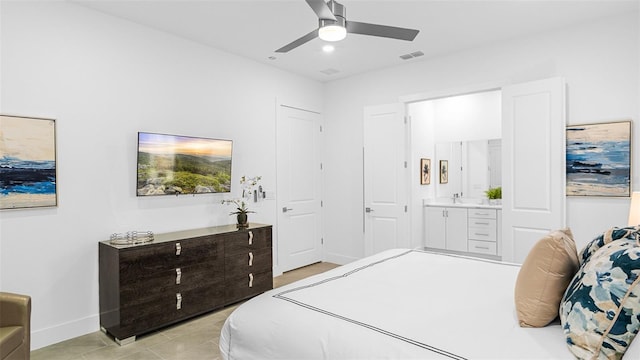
(399,304)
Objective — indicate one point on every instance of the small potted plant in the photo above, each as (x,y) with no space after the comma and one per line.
(241,211)
(241,204)
(494,195)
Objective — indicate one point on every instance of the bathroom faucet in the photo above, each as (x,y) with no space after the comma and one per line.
(455,197)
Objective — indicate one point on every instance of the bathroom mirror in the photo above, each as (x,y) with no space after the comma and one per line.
(473,167)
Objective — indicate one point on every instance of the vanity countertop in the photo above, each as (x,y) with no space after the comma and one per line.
(469,205)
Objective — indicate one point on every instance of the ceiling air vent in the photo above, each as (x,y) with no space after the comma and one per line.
(411,55)
(329,71)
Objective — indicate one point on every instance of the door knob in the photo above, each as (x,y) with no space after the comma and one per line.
(285,209)
(368,210)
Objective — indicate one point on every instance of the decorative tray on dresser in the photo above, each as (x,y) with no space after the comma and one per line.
(180,275)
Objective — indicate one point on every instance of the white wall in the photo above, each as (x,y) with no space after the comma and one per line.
(465,117)
(599,61)
(436,124)
(104,79)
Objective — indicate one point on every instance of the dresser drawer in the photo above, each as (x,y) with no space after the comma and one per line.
(482,213)
(244,263)
(248,285)
(247,241)
(172,280)
(483,247)
(140,318)
(143,261)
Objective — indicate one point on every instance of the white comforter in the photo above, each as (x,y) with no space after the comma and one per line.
(399,304)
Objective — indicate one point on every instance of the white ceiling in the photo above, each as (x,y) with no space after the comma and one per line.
(256,28)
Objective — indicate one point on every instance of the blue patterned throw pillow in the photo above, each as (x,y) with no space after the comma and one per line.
(600,311)
(601,240)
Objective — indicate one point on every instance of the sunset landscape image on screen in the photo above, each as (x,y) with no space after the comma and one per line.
(172,165)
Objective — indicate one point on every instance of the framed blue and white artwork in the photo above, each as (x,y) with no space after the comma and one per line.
(27,162)
(599,159)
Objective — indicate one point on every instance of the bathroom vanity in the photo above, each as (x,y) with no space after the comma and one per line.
(469,228)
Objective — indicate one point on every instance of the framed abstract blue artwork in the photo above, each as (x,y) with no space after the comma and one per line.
(599,159)
(27,162)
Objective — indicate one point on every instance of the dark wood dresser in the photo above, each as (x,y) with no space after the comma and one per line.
(180,275)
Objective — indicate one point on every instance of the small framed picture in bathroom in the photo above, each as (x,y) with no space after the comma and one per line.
(444,171)
(425,171)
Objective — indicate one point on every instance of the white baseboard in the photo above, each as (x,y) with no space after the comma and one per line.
(338,258)
(55,334)
(277,271)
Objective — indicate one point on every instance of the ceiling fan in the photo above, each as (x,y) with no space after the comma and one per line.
(333,26)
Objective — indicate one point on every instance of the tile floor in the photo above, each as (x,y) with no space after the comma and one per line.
(196,339)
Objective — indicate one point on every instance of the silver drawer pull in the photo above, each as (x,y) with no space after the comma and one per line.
(479,223)
(480,234)
(250,237)
(178,301)
(250,280)
(178,249)
(250,259)
(482,247)
(178,276)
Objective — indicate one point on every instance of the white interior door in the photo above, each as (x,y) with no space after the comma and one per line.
(533,155)
(385,187)
(298,188)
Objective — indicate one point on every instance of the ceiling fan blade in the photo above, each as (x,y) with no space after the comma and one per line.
(321,9)
(310,36)
(392,32)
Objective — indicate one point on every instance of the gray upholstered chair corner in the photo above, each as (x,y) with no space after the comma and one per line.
(15,326)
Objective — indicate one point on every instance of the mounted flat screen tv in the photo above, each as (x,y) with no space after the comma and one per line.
(173,164)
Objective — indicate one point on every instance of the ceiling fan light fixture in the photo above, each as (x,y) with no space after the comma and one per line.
(333,26)
(332,32)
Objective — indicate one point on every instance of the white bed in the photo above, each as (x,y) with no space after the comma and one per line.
(399,304)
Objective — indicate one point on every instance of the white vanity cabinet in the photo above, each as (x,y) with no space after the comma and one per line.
(446,228)
(472,229)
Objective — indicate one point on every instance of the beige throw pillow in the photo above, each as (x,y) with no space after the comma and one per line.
(544,277)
